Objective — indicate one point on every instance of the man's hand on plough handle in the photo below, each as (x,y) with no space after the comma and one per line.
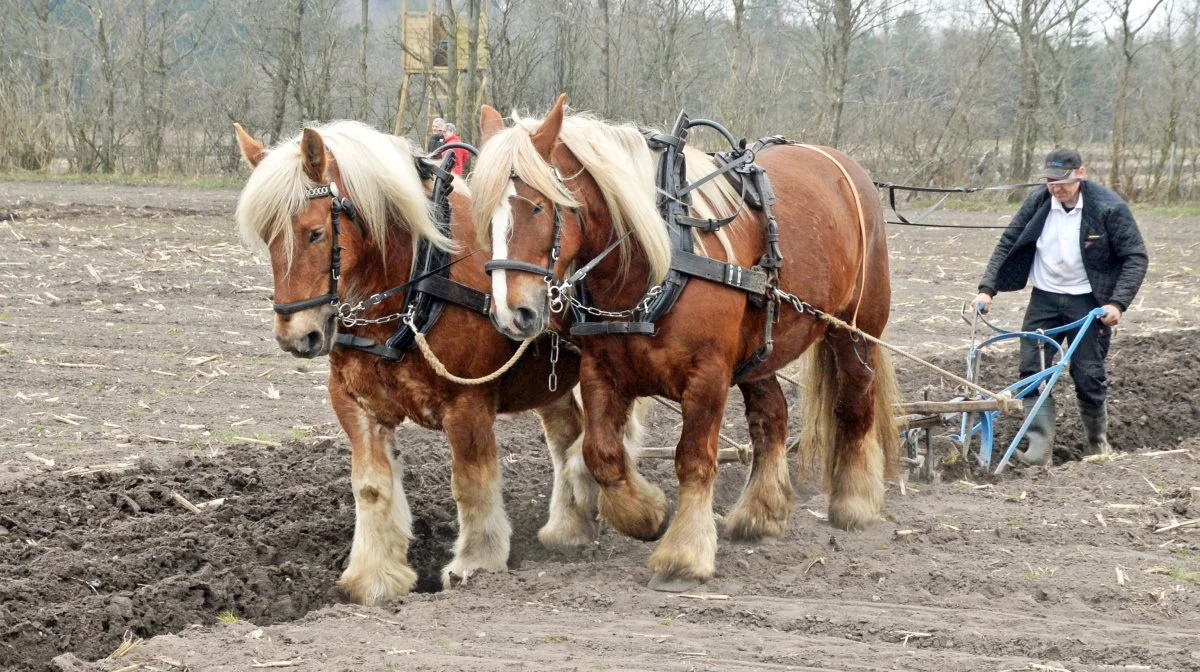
(983,303)
(1112,314)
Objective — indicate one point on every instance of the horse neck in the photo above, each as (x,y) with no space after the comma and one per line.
(376,270)
(614,283)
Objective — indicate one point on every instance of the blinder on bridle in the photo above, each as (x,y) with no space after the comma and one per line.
(339,205)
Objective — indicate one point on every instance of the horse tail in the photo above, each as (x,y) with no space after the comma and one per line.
(821,435)
(887,395)
(818,433)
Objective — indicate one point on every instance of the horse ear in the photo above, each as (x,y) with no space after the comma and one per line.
(252,150)
(312,153)
(547,134)
(490,122)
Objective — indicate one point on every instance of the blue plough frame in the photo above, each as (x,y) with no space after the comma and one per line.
(986,426)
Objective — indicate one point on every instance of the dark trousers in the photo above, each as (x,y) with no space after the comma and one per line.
(1048,310)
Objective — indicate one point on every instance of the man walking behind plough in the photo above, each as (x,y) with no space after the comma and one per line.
(1078,243)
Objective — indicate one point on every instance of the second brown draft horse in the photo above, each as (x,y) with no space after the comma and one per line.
(554,194)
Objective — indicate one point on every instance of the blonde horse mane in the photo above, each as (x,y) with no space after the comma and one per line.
(377,173)
(617,158)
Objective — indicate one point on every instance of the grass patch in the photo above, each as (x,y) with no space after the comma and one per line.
(227,616)
(1183,575)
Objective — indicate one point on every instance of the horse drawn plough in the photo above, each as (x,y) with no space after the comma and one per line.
(976,411)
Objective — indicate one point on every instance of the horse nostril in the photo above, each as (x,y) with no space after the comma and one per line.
(525,318)
(312,341)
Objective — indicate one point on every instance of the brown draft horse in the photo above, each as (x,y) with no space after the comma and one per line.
(528,174)
(370,396)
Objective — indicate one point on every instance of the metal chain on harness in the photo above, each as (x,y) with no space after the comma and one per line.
(346,313)
(553,381)
(561,296)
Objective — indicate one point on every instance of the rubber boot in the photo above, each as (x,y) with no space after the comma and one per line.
(1039,447)
(1095,425)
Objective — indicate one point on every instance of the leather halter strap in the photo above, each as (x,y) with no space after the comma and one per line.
(338,206)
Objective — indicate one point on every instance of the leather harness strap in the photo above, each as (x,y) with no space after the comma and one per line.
(429,288)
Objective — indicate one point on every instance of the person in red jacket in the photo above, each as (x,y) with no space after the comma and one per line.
(460,155)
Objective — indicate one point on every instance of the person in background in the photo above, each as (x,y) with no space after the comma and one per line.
(438,136)
(460,155)
(1078,243)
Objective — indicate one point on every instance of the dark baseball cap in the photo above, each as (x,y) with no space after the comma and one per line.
(1061,162)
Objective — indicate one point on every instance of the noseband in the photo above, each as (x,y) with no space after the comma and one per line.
(338,206)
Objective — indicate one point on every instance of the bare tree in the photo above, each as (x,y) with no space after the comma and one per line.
(467,130)
(290,41)
(606,64)
(449,21)
(1031,21)
(837,24)
(1129,48)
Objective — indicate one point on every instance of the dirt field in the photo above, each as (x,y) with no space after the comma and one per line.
(134,336)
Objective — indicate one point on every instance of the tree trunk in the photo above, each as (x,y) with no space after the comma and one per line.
(363,104)
(606,59)
(450,19)
(288,55)
(468,131)
(843,20)
(1025,132)
(732,98)
(1118,136)
(1129,50)
(108,151)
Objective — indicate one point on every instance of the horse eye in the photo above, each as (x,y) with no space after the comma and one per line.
(315,236)
(537,210)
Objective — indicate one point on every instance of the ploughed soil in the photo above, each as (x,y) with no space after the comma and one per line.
(137,365)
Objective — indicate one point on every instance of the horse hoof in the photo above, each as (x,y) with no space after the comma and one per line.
(453,580)
(672,584)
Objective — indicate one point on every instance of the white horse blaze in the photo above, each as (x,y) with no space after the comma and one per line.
(501,226)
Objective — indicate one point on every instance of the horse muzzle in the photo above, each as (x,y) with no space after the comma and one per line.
(521,322)
(315,341)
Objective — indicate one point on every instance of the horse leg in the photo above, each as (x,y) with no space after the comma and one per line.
(688,552)
(628,502)
(378,569)
(766,501)
(858,457)
(572,521)
(483,527)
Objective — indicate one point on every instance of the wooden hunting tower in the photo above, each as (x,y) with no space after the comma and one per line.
(425,30)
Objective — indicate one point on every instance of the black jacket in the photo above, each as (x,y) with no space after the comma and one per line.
(1114,255)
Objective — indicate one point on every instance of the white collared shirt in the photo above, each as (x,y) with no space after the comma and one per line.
(1058,264)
